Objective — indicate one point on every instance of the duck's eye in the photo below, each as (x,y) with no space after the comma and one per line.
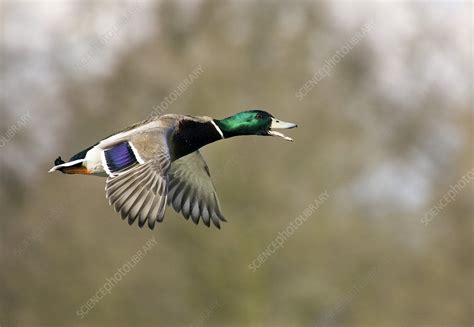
(259,116)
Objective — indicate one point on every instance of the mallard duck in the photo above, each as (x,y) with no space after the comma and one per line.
(157,162)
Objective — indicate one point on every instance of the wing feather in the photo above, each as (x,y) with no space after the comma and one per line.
(192,192)
(143,190)
(140,192)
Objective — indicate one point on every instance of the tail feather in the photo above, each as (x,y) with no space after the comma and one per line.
(59,161)
(71,167)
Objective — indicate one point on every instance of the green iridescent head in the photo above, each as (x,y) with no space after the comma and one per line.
(253,122)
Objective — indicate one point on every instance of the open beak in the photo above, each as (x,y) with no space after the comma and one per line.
(278,124)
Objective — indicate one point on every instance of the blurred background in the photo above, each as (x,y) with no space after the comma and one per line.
(387,132)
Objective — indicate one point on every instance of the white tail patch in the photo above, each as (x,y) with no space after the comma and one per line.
(66,164)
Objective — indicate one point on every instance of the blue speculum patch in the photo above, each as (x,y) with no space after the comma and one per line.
(120,157)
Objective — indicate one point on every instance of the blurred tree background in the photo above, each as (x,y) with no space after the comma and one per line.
(386,134)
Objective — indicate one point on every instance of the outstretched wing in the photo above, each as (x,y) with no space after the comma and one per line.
(137,185)
(192,192)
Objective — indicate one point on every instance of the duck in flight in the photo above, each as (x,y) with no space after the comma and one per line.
(157,162)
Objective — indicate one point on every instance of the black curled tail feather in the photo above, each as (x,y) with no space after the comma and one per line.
(59,161)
